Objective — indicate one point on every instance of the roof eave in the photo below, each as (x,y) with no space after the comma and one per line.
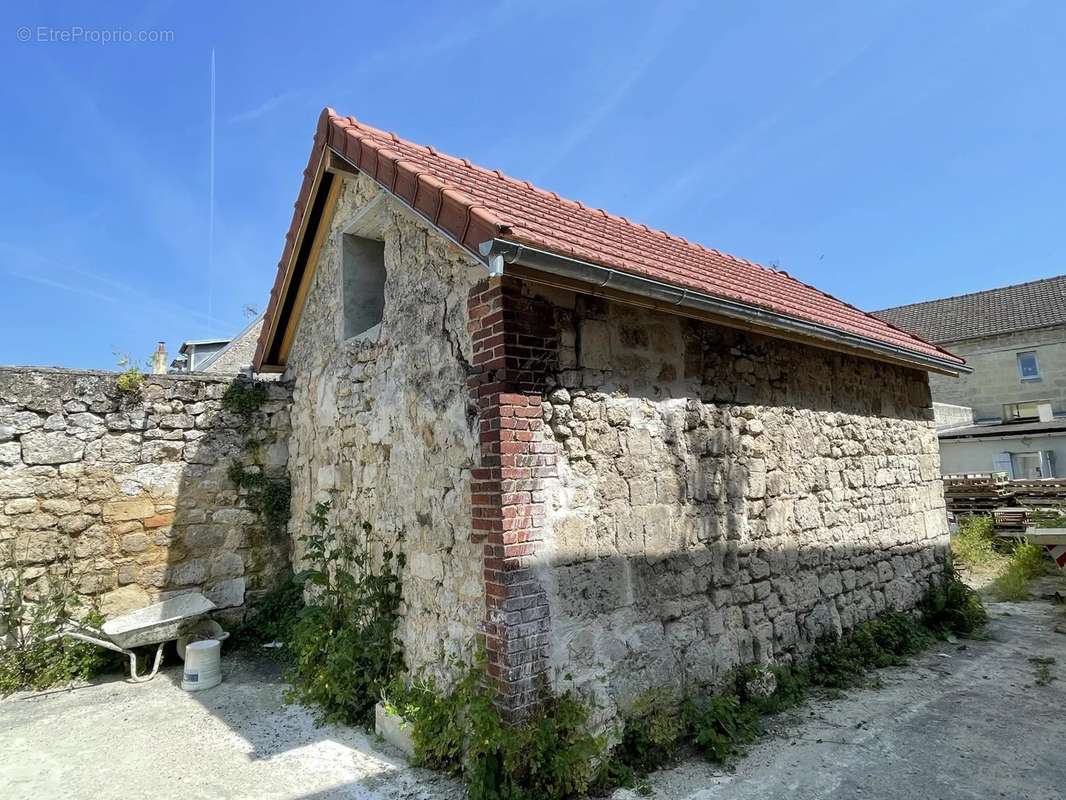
(598,279)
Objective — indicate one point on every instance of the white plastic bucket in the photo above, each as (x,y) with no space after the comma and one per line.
(206,629)
(203,665)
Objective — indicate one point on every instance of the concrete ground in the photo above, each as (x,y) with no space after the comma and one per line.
(965,721)
(153,740)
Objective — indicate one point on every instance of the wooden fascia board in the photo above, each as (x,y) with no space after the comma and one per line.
(320,233)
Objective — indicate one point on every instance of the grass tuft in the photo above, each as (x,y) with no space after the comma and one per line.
(973,545)
(1026,562)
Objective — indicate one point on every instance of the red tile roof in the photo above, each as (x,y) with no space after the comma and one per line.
(472,205)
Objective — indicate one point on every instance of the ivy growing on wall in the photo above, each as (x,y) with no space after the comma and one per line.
(244,398)
(266,496)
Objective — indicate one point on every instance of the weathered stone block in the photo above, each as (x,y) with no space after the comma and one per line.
(50,448)
(25,505)
(204,537)
(17,487)
(226,594)
(226,565)
(134,542)
(60,506)
(187,574)
(123,600)
(121,448)
(33,522)
(132,509)
(10,454)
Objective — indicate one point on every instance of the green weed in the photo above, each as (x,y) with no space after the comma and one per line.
(272,619)
(1026,562)
(973,545)
(1042,670)
(344,645)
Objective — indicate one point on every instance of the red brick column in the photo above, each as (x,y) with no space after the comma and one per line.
(515,350)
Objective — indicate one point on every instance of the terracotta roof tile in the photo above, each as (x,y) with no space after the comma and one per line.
(473,204)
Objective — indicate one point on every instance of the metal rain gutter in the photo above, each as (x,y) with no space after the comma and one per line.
(499,252)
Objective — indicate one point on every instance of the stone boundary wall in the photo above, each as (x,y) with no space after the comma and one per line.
(130,490)
(946,415)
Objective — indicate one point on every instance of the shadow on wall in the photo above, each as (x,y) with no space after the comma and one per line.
(623,625)
(722,497)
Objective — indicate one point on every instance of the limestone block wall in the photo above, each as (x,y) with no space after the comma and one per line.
(383,425)
(131,490)
(995,379)
(722,497)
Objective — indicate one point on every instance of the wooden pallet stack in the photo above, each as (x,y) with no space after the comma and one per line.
(980,493)
(1011,518)
(1049,492)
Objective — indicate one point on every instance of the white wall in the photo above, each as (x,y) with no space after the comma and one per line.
(946,415)
(976,455)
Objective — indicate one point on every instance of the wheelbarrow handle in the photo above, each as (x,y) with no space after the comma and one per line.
(84,637)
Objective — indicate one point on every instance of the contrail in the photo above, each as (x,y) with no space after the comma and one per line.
(211,203)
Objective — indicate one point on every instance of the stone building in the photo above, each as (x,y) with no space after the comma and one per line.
(614,454)
(1009,413)
(221,356)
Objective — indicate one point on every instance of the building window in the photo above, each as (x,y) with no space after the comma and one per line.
(1033,466)
(1028,366)
(1015,412)
(363,284)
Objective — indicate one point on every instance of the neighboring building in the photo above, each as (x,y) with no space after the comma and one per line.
(194,353)
(1014,338)
(221,356)
(1024,450)
(609,452)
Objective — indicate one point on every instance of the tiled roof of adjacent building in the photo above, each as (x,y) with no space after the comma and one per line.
(1023,306)
(473,205)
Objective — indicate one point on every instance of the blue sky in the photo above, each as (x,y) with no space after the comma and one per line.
(885,152)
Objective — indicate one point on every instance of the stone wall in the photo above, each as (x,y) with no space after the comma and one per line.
(131,489)
(995,379)
(946,415)
(382,423)
(721,497)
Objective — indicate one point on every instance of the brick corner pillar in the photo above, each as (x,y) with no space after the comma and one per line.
(515,344)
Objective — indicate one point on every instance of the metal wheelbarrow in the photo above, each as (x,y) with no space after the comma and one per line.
(155,624)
